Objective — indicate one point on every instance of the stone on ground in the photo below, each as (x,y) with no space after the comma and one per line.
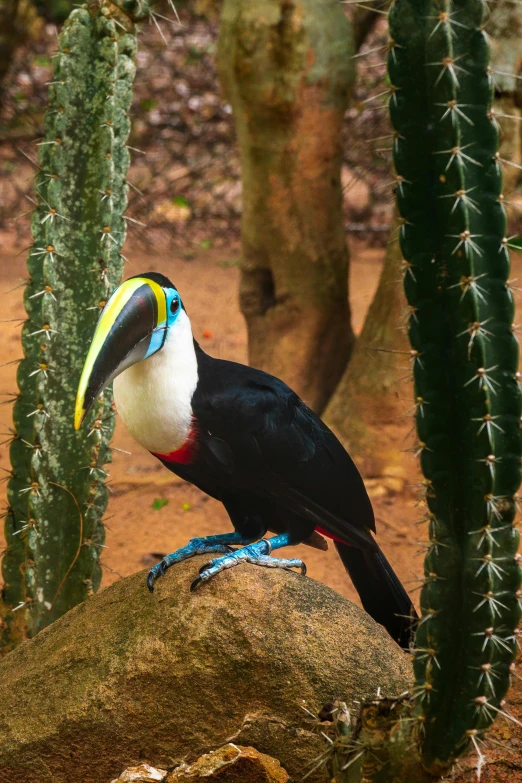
(231,764)
(143,773)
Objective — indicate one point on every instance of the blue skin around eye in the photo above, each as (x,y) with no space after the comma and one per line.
(158,335)
(171,296)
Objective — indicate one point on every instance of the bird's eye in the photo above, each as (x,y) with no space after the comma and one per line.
(174,306)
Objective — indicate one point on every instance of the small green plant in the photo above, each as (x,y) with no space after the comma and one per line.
(147,104)
(159,503)
(180,201)
(42,61)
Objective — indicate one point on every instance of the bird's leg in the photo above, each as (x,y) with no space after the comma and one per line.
(258,554)
(197,546)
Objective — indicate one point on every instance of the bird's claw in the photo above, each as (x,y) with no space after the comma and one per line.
(150,582)
(155,572)
(255,554)
(197,581)
(151,578)
(198,546)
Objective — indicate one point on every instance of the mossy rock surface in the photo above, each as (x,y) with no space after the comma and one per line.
(128,676)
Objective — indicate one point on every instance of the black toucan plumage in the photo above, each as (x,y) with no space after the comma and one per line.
(243,437)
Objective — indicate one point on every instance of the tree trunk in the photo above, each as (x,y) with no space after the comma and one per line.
(287,71)
(363,19)
(366,409)
(505,31)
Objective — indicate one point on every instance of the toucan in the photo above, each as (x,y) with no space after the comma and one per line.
(241,436)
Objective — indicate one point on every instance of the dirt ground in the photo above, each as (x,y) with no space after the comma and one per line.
(208,284)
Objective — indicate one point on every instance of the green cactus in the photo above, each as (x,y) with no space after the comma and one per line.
(465,362)
(464,352)
(376,744)
(57,491)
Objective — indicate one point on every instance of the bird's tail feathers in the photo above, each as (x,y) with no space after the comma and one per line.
(380,590)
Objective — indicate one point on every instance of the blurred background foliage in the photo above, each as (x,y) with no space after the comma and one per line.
(187,171)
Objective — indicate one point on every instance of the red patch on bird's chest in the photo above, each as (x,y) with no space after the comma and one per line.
(185,454)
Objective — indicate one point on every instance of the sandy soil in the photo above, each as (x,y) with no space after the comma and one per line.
(135,530)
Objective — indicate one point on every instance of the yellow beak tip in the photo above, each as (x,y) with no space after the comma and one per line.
(78,418)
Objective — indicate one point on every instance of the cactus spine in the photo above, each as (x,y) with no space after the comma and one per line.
(57,491)
(465,356)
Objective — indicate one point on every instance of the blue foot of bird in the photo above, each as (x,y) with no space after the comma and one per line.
(211,545)
(257,554)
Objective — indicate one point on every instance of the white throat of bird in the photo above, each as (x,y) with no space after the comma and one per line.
(154,396)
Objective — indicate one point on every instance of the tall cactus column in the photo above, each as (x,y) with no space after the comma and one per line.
(468,401)
(56,492)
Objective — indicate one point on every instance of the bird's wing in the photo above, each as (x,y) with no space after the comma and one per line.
(258,435)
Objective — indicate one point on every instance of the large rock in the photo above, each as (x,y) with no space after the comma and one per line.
(129,676)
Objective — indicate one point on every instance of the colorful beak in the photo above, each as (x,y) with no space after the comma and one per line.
(132,326)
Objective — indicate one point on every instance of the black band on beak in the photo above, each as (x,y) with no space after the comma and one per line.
(132,327)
